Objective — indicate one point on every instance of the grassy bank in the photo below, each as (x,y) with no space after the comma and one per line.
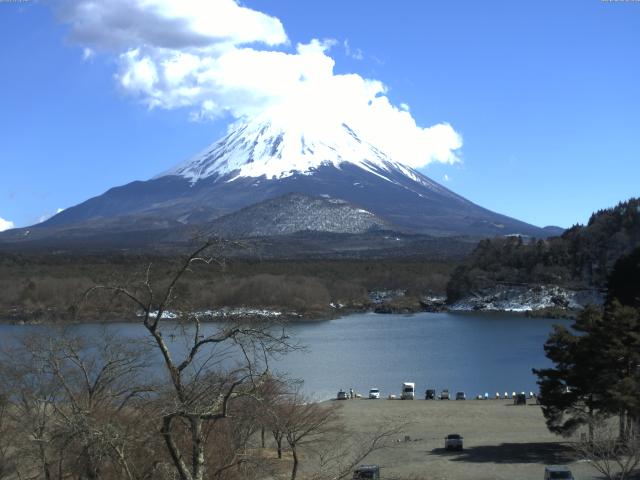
(501,441)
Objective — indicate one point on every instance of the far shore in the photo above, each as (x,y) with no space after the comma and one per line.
(57,318)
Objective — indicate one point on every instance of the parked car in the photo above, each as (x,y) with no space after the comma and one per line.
(430,394)
(374,393)
(460,396)
(408,391)
(444,394)
(342,395)
(561,472)
(520,399)
(453,441)
(368,472)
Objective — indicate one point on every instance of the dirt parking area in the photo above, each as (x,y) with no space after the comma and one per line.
(501,440)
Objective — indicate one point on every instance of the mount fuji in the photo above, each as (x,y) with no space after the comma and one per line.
(263,161)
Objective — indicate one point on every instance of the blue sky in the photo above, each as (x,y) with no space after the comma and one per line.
(545,95)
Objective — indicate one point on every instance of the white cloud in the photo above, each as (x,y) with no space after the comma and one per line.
(167,24)
(5,224)
(48,215)
(349,52)
(87,53)
(216,57)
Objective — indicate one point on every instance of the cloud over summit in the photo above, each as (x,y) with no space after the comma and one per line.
(216,57)
(5,224)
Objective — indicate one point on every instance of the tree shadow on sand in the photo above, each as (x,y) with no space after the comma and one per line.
(541,452)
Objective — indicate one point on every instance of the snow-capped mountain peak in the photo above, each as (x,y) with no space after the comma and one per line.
(264,148)
(269,158)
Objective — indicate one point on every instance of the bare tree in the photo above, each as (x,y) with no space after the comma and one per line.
(71,405)
(274,392)
(612,456)
(345,451)
(30,396)
(7,451)
(304,422)
(203,387)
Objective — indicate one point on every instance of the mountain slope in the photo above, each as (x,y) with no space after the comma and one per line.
(294,213)
(260,161)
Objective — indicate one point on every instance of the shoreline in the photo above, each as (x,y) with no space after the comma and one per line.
(40,318)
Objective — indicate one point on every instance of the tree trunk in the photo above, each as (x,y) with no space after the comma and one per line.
(198,448)
(91,466)
(45,464)
(294,469)
(277,436)
(262,436)
(178,461)
(591,422)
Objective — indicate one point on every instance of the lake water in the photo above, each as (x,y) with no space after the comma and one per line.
(473,352)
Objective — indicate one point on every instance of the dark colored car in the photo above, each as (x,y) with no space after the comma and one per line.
(453,441)
(460,396)
(557,472)
(342,395)
(430,394)
(366,472)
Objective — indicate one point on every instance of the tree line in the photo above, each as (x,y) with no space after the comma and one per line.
(35,288)
(581,257)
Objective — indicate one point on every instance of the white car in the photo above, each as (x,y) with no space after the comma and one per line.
(374,393)
(408,391)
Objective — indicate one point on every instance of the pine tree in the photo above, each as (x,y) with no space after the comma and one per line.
(597,362)
(624,281)
(622,353)
(571,393)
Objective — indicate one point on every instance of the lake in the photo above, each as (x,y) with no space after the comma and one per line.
(474,352)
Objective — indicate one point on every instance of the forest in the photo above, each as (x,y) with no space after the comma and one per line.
(46,288)
(582,257)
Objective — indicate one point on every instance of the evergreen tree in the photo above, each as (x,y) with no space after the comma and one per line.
(624,281)
(571,393)
(597,362)
(621,350)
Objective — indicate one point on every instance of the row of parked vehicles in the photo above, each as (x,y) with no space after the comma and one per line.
(409,393)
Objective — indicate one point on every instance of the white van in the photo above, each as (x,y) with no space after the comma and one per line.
(408,391)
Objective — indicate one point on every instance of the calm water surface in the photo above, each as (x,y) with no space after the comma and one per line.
(474,352)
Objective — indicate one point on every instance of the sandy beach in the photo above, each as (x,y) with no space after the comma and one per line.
(501,441)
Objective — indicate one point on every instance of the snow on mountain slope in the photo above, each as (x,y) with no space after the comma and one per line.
(267,159)
(295,212)
(265,148)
